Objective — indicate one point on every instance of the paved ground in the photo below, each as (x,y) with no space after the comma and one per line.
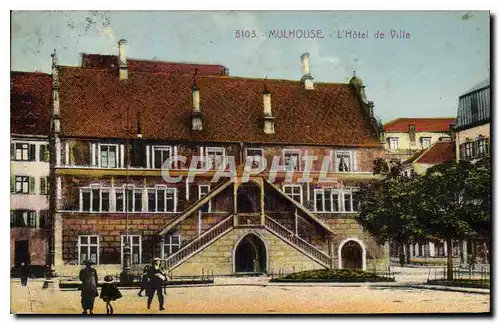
(254,296)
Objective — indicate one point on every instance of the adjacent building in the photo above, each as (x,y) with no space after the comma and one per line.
(114,129)
(29,168)
(473,123)
(403,137)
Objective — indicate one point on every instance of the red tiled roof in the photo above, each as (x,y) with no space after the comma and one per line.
(421,124)
(438,153)
(98,61)
(95,103)
(30,96)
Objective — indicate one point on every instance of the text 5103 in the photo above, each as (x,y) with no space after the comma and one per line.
(245,34)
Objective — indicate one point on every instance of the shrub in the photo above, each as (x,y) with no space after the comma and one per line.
(332,275)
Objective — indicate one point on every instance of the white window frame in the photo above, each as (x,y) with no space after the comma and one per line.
(200,186)
(156,149)
(351,165)
(293,186)
(425,138)
(131,240)
(166,191)
(350,191)
(392,141)
(299,160)
(88,245)
(21,157)
(117,157)
(260,149)
(167,242)
(325,193)
(211,150)
(101,190)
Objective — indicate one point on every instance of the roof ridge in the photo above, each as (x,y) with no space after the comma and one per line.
(160,61)
(203,76)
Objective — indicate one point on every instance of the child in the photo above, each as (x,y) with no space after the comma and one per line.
(109,292)
(144,280)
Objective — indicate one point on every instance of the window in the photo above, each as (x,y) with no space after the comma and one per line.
(393,143)
(171,244)
(482,146)
(445,139)
(88,248)
(425,142)
(119,200)
(215,158)
(255,152)
(162,199)
(294,192)
(108,155)
(22,152)
(45,219)
(135,244)
(44,153)
(322,200)
(22,184)
(133,199)
(95,199)
(160,155)
(291,159)
(44,186)
(23,218)
(412,131)
(351,201)
(468,150)
(344,161)
(204,190)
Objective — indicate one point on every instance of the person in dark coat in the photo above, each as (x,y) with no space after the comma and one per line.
(88,277)
(144,281)
(109,293)
(157,277)
(25,273)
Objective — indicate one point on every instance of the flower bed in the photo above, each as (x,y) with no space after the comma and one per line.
(333,275)
(469,283)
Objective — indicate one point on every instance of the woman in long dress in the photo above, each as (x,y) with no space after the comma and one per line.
(88,277)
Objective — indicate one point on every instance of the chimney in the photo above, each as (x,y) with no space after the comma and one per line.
(55,94)
(411,131)
(196,115)
(268,115)
(122,60)
(306,79)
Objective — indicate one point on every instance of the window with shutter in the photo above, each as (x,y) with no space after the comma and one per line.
(44,153)
(12,151)
(43,185)
(31,185)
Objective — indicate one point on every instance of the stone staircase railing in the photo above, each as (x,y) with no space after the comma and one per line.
(199,243)
(297,242)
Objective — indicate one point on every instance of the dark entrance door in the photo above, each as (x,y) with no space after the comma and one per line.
(21,252)
(250,255)
(352,255)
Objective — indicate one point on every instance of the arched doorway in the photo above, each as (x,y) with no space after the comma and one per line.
(351,255)
(250,255)
(248,198)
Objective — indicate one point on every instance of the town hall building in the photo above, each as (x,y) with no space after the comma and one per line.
(116,126)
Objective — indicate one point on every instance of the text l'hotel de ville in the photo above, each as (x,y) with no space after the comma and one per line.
(340,34)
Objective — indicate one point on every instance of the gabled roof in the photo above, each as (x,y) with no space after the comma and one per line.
(401,125)
(439,153)
(30,98)
(95,104)
(98,61)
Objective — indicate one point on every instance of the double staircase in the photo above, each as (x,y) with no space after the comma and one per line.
(227,224)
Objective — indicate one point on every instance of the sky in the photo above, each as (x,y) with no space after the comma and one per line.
(445,54)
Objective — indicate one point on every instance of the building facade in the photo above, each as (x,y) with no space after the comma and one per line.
(114,131)
(473,123)
(29,168)
(403,137)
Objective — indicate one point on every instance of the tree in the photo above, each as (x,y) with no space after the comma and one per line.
(454,202)
(389,207)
